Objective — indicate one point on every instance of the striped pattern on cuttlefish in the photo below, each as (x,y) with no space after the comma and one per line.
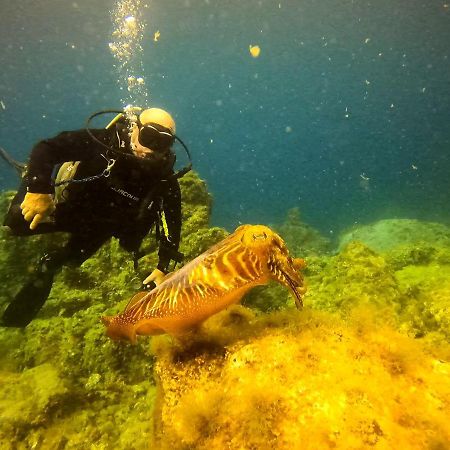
(219,277)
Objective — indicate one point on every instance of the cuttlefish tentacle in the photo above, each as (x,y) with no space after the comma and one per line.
(219,277)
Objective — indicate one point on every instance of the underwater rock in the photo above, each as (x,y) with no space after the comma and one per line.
(29,399)
(426,313)
(301,238)
(356,276)
(300,380)
(410,284)
(386,234)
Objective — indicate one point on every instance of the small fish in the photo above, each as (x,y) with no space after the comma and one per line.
(219,277)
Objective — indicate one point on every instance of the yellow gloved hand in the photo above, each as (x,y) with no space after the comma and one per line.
(156,276)
(36,207)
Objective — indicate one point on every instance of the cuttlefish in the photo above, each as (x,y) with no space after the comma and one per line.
(219,277)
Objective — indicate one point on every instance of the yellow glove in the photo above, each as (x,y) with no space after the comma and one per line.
(36,208)
(156,276)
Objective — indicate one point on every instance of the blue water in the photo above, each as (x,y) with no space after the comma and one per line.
(345,114)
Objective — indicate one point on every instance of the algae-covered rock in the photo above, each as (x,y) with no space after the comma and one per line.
(418,254)
(302,239)
(427,310)
(356,276)
(410,278)
(387,234)
(29,399)
(300,380)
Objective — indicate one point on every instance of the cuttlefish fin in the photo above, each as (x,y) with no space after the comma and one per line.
(133,300)
(119,330)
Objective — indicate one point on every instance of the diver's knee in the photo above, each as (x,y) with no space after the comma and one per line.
(14,222)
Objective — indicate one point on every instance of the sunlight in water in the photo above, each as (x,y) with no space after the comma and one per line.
(126,48)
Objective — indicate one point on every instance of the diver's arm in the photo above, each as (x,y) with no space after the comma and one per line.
(38,202)
(168,246)
(66,146)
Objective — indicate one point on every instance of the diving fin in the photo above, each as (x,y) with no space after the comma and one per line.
(18,166)
(28,301)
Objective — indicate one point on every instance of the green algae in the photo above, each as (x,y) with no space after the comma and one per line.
(354,277)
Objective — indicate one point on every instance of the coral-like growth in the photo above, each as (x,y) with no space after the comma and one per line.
(300,380)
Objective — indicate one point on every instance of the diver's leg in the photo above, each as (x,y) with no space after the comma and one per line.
(30,299)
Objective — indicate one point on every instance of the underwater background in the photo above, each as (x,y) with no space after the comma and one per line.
(336,135)
(344,114)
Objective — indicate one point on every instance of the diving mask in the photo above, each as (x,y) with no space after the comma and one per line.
(154,136)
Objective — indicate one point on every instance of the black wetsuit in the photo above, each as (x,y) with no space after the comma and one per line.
(125,204)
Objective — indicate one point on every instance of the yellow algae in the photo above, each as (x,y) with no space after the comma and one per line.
(255,50)
(299,380)
(156,36)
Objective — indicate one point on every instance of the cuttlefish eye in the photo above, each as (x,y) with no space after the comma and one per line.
(262,236)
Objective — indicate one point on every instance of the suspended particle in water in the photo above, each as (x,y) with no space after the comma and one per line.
(254,50)
(156,36)
(364,182)
(130,23)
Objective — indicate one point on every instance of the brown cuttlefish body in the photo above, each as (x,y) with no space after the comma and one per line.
(219,277)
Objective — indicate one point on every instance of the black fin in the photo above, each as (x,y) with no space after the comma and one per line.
(18,166)
(28,301)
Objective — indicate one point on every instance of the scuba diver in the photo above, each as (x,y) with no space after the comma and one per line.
(96,184)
